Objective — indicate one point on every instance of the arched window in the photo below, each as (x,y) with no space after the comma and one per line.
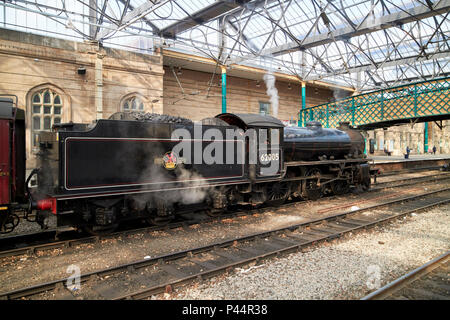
(133,103)
(46,110)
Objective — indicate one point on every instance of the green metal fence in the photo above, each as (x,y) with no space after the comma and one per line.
(421,99)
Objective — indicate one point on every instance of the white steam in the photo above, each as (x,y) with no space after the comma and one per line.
(191,187)
(194,194)
(339,94)
(272,92)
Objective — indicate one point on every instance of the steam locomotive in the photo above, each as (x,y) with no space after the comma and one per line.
(94,176)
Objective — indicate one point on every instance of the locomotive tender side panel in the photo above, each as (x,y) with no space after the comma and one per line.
(94,163)
(129,156)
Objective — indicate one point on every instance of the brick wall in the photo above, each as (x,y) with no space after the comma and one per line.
(243,95)
(29,63)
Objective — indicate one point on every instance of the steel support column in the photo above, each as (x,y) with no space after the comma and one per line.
(425,134)
(224,89)
(303,101)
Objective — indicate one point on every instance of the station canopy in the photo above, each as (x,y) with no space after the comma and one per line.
(363,44)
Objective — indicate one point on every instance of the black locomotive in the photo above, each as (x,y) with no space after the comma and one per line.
(132,166)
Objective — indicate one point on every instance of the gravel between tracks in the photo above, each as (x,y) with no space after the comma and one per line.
(29,227)
(22,271)
(344,269)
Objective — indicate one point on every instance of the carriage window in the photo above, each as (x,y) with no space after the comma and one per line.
(133,104)
(46,111)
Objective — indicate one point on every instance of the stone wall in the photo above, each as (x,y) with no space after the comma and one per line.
(397,138)
(30,63)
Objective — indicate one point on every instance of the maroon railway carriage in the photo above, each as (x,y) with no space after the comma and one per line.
(12,162)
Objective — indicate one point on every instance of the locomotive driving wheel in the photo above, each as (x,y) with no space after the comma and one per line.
(8,222)
(340,187)
(312,188)
(278,193)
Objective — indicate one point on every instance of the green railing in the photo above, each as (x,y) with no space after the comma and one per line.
(412,101)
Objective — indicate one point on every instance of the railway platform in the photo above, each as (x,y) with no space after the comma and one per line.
(419,161)
(412,157)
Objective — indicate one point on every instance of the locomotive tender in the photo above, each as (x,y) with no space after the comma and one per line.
(94,176)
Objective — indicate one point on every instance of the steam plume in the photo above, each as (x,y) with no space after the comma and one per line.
(272,92)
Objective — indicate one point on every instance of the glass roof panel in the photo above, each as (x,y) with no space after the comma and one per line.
(336,38)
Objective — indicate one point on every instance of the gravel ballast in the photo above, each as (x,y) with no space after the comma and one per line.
(345,269)
(23,271)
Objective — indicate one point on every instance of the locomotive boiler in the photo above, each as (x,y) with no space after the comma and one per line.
(314,142)
(153,167)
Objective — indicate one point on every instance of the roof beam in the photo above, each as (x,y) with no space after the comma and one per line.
(391,20)
(391,63)
(133,16)
(151,25)
(208,13)
(415,79)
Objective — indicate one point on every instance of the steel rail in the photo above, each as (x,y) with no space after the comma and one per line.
(142,294)
(146,293)
(404,171)
(408,278)
(412,180)
(24,292)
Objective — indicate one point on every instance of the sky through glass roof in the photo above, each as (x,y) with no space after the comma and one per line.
(364,44)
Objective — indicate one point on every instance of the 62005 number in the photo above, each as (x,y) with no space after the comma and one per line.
(266,157)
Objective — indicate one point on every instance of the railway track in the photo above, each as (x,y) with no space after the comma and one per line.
(407,181)
(410,170)
(144,278)
(428,282)
(52,239)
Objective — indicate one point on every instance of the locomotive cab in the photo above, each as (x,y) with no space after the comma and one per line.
(264,141)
